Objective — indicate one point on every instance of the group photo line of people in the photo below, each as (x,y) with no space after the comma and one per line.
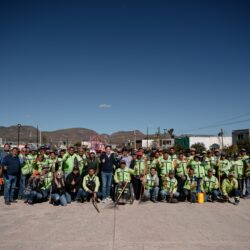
(122,176)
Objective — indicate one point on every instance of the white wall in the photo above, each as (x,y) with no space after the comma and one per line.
(209,141)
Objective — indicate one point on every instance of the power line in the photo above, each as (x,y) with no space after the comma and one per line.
(220,124)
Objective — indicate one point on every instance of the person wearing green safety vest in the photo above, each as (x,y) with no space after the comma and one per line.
(39,162)
(91,185)
(169,188)
(82,161)
(223,167)
(245,159)
(238,169)
(190,186)
(247,178)
(190,157)
(151,183)
(206,162)
(211,186)
(199,171)
(26,170)
(230,188)
(215,160)
(69,161)
(172,155)
(156,161)
(243,154)
(92,162)
(181,170)
(122,178)
(166,165)
(52,162)
(46,181)
(152,163)
(62,152)
(140,169)
(160,154)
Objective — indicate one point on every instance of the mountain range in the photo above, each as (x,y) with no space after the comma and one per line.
(29,134)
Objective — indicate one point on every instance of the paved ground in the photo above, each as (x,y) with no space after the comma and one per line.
(138,226)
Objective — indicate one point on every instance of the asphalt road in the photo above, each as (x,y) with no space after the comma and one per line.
(138,226)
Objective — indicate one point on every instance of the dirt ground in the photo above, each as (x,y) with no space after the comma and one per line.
(138,226)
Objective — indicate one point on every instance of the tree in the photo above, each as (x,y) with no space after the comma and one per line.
(171,132)
(214,146)
(179,148)
(231,150)
(199,147)
(245,145)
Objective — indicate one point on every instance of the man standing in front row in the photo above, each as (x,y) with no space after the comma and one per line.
(107,162)
(11,168)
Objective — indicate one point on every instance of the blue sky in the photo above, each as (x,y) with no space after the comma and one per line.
(124,65)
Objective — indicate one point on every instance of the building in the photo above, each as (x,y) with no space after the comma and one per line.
(210,141)
(241,135)
(156,143)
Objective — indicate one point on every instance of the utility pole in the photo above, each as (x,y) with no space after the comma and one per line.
(37,136)
(147,138)
(18,133)
(135,138)
(222,142)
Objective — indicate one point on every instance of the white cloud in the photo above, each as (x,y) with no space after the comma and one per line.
(104,106)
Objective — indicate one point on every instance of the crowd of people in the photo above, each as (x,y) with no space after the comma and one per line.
(80,175)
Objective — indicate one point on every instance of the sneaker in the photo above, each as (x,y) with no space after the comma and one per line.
(237,202)
(7,203)
(104,200)
(108,199)
(14,201)
(30,202)
(154,201)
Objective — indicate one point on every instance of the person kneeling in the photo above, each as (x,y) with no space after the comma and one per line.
(58,193)
(190,186)
(73,186)
(91,185)
(151,184)
(211,187)
(169,189)
(230,189)
(33,191)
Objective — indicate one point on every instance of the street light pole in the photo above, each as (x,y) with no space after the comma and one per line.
(147,138)
(37,136)
(18,133)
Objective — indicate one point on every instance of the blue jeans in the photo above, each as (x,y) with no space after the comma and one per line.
(151,193)
(165,194)
(45,193)
(191,196)
(87,195)
(199,185)
(214,195)
(34,196)
(9,187)
(240,186)
(22,184)
(74,196)
(247,180)
(59,199)
(106,184)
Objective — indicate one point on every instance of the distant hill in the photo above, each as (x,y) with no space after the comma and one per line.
(28,134)
(124,136)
